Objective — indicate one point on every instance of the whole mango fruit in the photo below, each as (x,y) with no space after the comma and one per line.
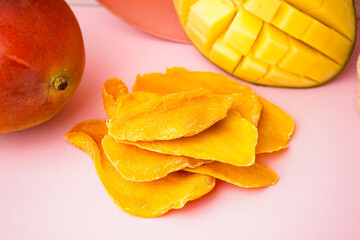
(42,59)
(283,43)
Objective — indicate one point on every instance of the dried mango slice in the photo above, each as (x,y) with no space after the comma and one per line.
(87,135)
(170,116)
(110,92)
(271,118)
(231,140)
(275,128)
(136,164)
(142,199)
(179,79)
(253,176)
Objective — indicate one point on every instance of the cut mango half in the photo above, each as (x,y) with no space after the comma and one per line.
(282,43)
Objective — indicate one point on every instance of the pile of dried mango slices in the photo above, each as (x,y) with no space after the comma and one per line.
(167,142)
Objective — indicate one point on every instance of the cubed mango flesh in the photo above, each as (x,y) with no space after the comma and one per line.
(289,43)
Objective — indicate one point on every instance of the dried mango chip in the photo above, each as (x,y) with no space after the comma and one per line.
(169,116)
(272,118)
(110,91)
(231,140)
(179,79)
(253,176)
(142,199)
(275,128)
(136,164)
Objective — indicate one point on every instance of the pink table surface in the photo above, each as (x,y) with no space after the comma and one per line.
(50,190)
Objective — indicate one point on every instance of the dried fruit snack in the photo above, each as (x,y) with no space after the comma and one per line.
(275,128)
(223,147)
(142,199)
(136,164)
(253,176)
(179,79)
(231,140)
(169,116)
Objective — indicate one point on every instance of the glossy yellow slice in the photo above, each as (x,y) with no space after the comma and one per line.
(275,128)
(253,176)
(231,140)
(136,164)
(142,199)
(179,79)
(168,117)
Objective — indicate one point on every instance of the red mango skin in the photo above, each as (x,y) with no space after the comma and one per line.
(41,45)
(157,17)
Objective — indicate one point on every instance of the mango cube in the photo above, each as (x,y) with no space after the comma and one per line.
(278,76)
(243,31)
(264,9)
(224,56)
(291,20)
(338,41)
(317,35)
(250,68)
(306,4)
(346,25)
(327,41)
(271,44)
(207,20)
(299,59)
(323,69)
(330,13)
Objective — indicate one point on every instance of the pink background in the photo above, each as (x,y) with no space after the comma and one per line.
(50,190)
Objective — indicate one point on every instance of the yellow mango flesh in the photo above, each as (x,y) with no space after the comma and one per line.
(142,199)
(205,25)
(168,117)
(253,176)
(264,9)
(179,79)
(231,140)
(264,31)
(136,164)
